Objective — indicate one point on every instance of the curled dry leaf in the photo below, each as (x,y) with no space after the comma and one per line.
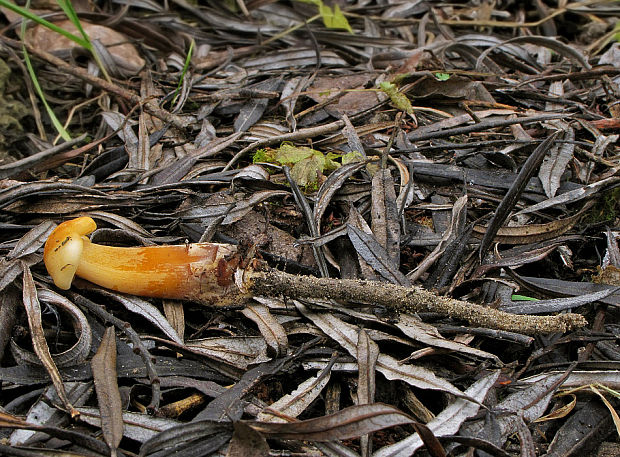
(78,352)
(41,349)
(347,423)
(136,426)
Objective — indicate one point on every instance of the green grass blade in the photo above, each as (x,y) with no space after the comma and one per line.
(67,7)
(188,59)
(516,297)
(35,82)
(39,20)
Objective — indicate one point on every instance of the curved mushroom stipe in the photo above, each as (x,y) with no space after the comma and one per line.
(212,274)
(202,272)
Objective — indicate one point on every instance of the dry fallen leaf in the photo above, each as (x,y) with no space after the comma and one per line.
(108,395)
(126,57)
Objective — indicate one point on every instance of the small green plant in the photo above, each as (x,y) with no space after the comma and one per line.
(307,165)
(333,18)
(35,82)
(442,76)
(399,100)
(606,207)
(37,87)
(188,59)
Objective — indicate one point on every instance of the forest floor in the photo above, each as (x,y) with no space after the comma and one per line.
(423,195)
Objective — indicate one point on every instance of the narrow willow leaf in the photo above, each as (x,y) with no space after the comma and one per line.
(175,314)
(350,422)
(146,310)
(376,256)
(384,215)
(447,422)
(184,435)
(512,196)
(555,163)
(103,365)
(295,403)
(33,311)
(272,331)
(554,305)
(32,241)
(347,336)
(331,185)
(138,426)
(367,354)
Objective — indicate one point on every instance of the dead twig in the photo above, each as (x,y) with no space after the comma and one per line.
(406,299)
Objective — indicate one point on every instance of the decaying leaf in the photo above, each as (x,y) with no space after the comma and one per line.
(350,422)
(39,344)
(347,336)
(108,395)
(307,165)
(399,99)
(247,442)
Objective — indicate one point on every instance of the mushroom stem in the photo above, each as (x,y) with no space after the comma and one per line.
(211,274)
(200,272)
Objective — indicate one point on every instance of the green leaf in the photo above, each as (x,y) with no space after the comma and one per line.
(353,156)
(264,155)
(307,165)
(308,171)
(330,161)
(37,87)
(399,100)
(334,19)
(188,59)
(289,154)
(35,82)
(516,297)
(442,76)
(67,7)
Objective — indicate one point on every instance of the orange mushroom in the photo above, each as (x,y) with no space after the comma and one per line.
(202,272)
(211,274)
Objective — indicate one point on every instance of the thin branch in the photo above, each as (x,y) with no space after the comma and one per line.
(405,299)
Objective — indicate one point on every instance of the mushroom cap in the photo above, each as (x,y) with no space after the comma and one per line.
(63,249)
